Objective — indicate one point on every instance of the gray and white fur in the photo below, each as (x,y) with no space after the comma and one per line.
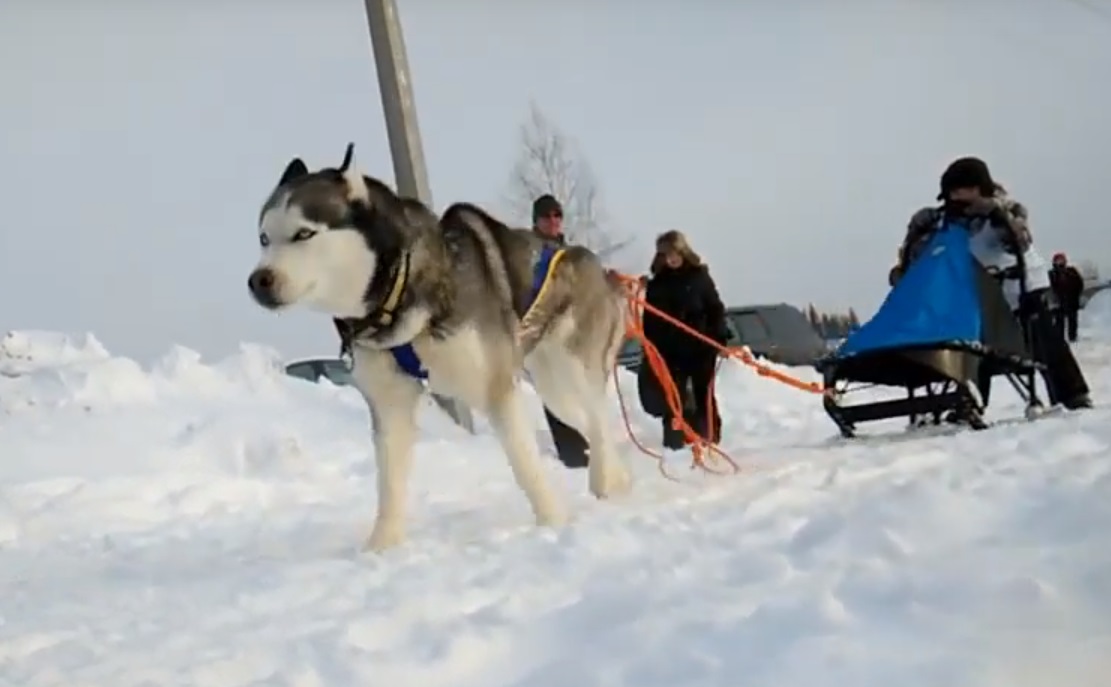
(338,241)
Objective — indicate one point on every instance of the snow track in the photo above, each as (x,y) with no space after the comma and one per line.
(194,524)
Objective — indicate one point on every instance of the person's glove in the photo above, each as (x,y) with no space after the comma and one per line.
(998,217)
(1010,243)
(990,209)
(894,275)
(981,207)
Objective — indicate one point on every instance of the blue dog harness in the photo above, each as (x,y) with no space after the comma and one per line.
(408,360)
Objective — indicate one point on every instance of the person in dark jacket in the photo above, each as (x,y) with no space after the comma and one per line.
(681,286)
(571,447)
(1068,285)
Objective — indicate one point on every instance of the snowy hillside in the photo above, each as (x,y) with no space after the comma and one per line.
(197,524)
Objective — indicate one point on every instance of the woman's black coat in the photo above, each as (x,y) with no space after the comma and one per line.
(689,295)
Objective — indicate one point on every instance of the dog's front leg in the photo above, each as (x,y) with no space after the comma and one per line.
(392,397)
(507,414)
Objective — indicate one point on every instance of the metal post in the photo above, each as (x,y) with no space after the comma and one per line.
(400,110)
(398,104)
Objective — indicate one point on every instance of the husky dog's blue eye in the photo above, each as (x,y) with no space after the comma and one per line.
(303,235)
(263,240)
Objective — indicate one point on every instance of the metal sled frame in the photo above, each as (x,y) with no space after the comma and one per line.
(935,369)
(930,377)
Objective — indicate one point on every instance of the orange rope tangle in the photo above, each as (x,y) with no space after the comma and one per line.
(701,447)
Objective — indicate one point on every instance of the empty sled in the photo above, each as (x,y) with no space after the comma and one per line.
(941,327)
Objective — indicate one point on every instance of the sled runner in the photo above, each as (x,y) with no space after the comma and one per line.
(945,323)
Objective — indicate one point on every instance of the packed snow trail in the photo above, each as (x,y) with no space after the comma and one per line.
(196,524)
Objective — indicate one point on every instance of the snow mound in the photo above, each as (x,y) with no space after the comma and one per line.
(53,370)
(21,351)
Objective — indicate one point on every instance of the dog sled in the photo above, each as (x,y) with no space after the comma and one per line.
(944,324)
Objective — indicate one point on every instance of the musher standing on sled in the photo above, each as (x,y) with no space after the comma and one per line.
(999,234)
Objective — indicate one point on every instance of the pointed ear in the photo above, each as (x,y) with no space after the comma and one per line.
(356,185)
(294,170)
(348,158)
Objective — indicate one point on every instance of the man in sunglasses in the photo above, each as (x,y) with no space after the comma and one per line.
(547,222)
(547,219)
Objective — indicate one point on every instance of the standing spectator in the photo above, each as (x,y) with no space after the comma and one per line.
(547,219)
(571,447)
(1067,285)
(681,286)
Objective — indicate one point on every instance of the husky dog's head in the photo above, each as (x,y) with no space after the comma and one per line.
(321,239)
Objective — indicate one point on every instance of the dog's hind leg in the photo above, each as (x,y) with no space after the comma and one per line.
(607,474)
(392,397)
(508,417)
(578,396)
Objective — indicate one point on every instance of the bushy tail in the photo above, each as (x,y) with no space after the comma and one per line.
(620,320)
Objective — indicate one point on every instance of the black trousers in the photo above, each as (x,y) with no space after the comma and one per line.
(1063,376)
(571,447)
(701,407)
(1067,323)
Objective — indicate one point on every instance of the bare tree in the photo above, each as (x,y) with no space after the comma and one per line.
(549,162)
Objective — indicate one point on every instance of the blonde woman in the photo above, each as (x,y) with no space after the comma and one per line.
(680,286)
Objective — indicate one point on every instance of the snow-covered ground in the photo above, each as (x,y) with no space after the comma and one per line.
(198,524)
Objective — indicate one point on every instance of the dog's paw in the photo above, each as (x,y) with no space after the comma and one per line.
(610,483)
(552,517)
(385,536)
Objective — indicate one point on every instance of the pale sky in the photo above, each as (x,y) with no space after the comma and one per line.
(791,139)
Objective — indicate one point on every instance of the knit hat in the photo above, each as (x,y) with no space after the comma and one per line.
(967,172)
(544,206)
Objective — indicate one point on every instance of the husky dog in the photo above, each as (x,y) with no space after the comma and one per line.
(451,301)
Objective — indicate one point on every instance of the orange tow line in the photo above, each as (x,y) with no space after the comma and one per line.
(706,455)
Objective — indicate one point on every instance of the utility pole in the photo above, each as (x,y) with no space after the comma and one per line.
(400,110)
(398,104)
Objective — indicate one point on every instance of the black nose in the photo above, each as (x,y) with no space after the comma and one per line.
(261,283)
